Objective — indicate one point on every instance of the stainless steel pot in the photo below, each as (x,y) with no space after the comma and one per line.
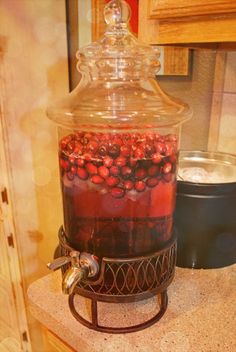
(205,216)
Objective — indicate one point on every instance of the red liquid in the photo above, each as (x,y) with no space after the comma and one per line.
(118,192)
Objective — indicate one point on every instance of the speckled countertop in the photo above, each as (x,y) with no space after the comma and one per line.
(201,315)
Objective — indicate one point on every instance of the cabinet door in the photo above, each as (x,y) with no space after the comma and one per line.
(190,22)
(56,345)
(164,9)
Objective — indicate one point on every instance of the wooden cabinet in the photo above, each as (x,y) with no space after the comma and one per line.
(56,344)
(184,21)
(166,9)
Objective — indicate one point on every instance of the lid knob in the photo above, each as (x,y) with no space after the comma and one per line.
(117,12)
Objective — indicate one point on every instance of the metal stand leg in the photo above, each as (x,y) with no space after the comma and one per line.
(119,330)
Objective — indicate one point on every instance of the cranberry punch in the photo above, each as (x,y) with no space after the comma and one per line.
(118,191)
(118,154)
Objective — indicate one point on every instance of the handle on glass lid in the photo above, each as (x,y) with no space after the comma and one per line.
(117,12)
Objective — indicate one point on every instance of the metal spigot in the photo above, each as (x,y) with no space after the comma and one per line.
(83,266)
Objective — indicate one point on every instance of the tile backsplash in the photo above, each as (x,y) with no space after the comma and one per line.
(199,91)
(196,90)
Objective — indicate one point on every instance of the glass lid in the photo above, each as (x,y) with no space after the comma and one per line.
(118,89)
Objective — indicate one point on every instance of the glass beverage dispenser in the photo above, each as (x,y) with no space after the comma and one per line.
(118,152)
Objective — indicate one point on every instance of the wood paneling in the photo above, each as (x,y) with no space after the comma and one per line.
(176,61)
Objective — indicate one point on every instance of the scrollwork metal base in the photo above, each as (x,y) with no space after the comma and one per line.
(125,280)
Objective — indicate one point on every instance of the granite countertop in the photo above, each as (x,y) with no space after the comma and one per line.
(201,315)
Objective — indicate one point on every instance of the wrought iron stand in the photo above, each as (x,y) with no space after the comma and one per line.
(125,280)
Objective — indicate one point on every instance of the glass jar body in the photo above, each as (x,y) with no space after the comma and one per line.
(118,189)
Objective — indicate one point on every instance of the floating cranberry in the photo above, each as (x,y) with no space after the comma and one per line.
(97,179)
(160,139)
(133,162)
(114,150)
(70,176)
(149,150)
(150,136)
(126,171)
(169,149)
(125,150)
(112,181)
(103,171)
(102,150)
(92,169)
(118,141)
(128,185)
(160,147)
(71,146)
(120,161)
(156,158)
(78,150)
(63,144)
(108,161)
(126,138)
(152,182)
(157,136)
(79,135)
(115,170)
(153,170)
(167,168)
(117,192)
(88,135)
(86,138)
(140,186)
(80,162)
(73,170)
(64,164)
(82,173)
(72,159)
(87,157)
(136,136)
(140,174)
(92,146)
(139,153)
(105,136)
(171,138)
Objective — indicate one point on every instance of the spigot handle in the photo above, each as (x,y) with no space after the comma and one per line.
(72,277)
(83,266)
(58,263)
